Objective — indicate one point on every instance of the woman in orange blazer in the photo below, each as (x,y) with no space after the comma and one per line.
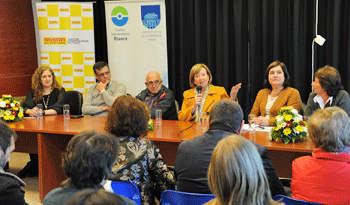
(197,102)
(276,94)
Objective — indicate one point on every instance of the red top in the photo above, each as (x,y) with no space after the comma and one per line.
(323,177)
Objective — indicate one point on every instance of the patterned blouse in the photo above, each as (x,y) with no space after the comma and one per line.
(140,162)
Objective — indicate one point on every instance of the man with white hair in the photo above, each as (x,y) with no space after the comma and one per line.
(157,96)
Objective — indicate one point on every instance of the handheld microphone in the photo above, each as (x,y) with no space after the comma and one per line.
(199,90)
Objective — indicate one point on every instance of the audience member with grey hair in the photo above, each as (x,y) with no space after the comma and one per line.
(324,177)
(243,180)
(193,156)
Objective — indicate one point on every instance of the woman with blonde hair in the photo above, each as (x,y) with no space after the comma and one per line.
(48,92)
(236,174)
(197,101)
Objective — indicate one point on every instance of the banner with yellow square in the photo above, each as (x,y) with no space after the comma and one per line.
(66,33)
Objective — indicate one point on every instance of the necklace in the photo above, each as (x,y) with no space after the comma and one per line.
(47,101)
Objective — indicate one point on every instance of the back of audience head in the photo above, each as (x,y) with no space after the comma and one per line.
(128,116)
(285,72)
(227,112)
(329,129)
(95,197)
(236,174)
(7,139)
(89,158)
(330,79)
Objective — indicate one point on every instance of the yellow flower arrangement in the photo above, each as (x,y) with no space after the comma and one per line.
(10,109)
(289,126)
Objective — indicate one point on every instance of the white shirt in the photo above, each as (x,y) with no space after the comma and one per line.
(318,99)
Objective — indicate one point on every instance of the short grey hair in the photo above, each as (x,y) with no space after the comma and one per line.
(228,112)
(329,129)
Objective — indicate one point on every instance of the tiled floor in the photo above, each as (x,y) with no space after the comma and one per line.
(17,162)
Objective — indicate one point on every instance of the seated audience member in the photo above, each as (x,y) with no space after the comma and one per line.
(328,91)
(324,177)
(275,95)
(196,101)
(48,92)
(10,185)
(193,156)
(87,163)
(101,96)
(139,160)
(96,197)
(157,96)
(236,174)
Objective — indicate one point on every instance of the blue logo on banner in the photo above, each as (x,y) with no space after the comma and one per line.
(150,16)
(119,16)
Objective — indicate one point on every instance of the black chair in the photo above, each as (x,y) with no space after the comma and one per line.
(75,101)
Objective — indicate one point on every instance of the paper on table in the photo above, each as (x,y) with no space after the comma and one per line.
(257,128)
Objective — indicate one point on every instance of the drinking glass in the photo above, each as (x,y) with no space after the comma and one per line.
(158,116)
(251,120)
(205,120)
(39,112)
(66,111)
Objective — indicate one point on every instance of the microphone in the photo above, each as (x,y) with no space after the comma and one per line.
(199,90)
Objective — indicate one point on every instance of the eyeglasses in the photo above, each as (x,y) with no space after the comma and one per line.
(105,73)
(151,83)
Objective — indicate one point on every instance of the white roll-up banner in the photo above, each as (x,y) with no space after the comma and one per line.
(136,37)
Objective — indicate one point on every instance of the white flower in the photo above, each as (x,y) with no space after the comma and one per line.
(294,111)
(284,124)
(2,104)
(279,118)
(298,118)
(296,131)
(12,104)
(7,112)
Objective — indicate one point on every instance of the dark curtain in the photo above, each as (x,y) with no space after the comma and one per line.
(334,26)
(281,30)
(284,30)
(238,39)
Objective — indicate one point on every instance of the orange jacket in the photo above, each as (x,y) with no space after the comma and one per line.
(288,97)
(215,94)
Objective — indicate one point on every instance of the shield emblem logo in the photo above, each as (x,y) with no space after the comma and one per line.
(150,16)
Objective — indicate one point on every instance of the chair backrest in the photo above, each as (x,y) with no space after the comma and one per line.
(170,197)
(287,200)
(75,101)
(127,189)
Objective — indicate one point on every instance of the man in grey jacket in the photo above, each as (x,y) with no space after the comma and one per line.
(100,97)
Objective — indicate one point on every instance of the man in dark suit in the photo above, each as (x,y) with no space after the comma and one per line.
(157,96)
(10,185)
(194,155)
